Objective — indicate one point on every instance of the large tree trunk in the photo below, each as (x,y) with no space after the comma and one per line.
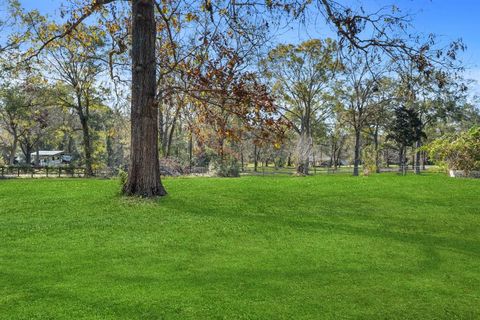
(28,155)
(304,151)
(87,147)
(306,166)
(144,169)
(13,151)
(27,148)
(356,161)
(301,166)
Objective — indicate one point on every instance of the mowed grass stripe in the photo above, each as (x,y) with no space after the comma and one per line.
(324,247)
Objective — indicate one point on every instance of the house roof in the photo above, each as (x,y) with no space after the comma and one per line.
(47,153)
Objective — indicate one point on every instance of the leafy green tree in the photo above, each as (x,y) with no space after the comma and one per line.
(437,96)
(379,120)
(229,19)
(25,108)
(21,112)
(359,97)
(460,151)
(71,62)
(405,130)
(13,113)
(300,77)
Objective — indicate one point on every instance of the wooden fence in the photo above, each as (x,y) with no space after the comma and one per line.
(79,172)
(40,172)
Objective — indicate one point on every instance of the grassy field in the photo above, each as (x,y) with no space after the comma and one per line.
(324,247)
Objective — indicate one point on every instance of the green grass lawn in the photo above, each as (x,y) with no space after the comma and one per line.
(324,247)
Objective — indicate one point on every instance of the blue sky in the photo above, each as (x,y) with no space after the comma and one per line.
(450,19)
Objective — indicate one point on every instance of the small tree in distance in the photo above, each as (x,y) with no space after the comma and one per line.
(405,129)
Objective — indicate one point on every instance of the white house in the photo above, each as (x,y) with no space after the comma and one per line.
(50,158)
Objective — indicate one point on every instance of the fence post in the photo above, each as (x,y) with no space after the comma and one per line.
(18,172)
(47,172)
(59,172)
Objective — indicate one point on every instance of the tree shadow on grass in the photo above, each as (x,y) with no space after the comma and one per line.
(462,246)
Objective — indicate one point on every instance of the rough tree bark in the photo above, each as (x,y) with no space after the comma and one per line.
(303,150)
(306,166)
(305,147)
(28,154)
(87,146)
(28,146)
(13,151)
(144,170)
(83,112)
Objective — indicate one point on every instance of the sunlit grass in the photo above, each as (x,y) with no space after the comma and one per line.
(324,247)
